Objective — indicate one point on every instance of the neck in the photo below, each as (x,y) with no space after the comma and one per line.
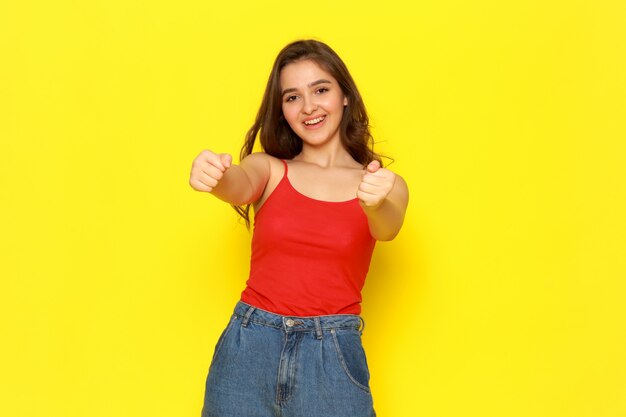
(329,155)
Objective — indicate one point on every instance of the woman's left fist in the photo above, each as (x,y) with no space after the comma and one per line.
(376,184)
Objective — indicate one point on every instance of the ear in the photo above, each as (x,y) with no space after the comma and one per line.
(345,101)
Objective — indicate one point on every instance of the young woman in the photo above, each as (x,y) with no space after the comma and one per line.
(321,199)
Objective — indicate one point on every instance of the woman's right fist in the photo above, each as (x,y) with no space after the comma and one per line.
(207,169)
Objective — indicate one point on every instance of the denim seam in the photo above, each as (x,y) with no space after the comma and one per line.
(343,363)
(301,317)
(279,392)
(262,323)
(294,329)
(223,337)
(291,375)
(312,330)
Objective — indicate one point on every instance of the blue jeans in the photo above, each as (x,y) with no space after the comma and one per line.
(269,365)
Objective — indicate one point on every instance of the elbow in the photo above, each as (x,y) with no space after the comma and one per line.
(244,200)
(385,236)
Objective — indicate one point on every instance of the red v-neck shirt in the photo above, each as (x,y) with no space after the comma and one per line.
(309,257)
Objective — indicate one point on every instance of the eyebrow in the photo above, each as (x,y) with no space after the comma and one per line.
(289,90)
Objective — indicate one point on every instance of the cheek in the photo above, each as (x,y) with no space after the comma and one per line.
(290,115)
(334,103)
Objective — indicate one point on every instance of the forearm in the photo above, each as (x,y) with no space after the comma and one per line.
(234,187)
(385,220)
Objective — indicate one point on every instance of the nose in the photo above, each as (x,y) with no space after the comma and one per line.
(308,104)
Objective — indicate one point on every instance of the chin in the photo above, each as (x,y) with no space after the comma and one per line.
(315,141)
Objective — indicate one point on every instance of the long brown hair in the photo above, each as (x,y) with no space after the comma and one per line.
(276,136)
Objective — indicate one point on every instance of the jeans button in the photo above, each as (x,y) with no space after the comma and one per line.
(289,322)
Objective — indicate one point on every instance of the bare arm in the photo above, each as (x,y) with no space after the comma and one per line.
(384,197)
(235,184)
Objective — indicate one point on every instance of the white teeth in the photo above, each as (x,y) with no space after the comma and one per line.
(314,121)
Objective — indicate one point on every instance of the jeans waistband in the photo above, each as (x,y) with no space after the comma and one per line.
(298,323)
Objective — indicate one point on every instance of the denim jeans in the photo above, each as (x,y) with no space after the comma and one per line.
(269,365)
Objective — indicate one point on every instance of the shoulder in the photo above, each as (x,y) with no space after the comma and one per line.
(262,165)
(262,158)
(400,190)
(259,157)
(400,183)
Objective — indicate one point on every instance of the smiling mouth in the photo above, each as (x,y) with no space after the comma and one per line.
(315,121)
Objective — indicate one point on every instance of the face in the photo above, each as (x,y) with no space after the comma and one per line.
(312,102)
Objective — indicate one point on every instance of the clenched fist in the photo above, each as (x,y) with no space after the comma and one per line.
(207,169)
(376,184)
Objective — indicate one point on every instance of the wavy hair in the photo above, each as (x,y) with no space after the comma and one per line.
(276,136)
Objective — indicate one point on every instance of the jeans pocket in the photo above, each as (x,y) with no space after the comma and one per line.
(352,356)
(220,340)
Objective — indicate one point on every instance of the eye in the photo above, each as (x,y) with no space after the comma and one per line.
(290,97)
(322,89)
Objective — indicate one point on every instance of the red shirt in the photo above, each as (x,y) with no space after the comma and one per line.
(309,257)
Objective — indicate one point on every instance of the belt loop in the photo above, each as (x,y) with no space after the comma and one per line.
(246,317)
(363,326)
(318,327)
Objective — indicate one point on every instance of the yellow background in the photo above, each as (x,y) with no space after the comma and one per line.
(503,296)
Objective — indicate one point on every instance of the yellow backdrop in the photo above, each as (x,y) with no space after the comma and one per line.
(503,296)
